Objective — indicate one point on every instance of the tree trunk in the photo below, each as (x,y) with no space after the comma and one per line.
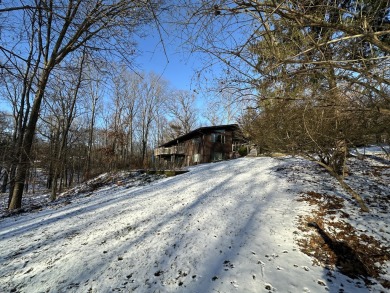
(346,187)
(144,145)
(49,176)
(61,155)
(25,154)
(71,174)
(90,140)
(54,186)
(5,182)
(11,176)
(339,157)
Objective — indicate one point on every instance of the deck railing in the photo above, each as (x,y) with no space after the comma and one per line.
(173,150)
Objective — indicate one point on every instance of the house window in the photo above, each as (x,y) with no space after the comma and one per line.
(217,137)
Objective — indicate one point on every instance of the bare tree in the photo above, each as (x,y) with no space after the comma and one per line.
(182,111)
(225,107)
(64,110)
(6,144)
(152,96)
(131,101)
(94,99)
(305,60)
(54,31)
(127,89)
(266,37)
(18,98)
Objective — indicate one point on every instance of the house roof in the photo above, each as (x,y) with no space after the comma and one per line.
(200,130)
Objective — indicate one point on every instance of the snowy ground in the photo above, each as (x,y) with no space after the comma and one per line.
(233,226)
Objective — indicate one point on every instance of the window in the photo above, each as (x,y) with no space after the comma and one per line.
(217,137)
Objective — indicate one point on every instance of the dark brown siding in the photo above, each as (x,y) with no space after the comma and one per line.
(200,145)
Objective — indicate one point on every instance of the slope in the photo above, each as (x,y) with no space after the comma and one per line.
(225,227)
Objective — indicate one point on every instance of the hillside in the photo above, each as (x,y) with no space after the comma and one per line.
(246,225)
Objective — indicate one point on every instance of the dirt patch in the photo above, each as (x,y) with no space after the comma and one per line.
(335,243)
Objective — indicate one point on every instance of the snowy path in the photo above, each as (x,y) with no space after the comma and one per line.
(223,227)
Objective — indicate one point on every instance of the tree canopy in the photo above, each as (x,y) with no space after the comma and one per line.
(318,70)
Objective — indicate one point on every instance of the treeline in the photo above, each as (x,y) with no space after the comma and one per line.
(313,76)
(93,122)
(317,71)
(72,106)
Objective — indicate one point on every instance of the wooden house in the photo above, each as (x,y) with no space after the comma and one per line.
(202,145)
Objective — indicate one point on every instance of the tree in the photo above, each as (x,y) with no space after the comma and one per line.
(63,109)
(126,101)
(5,147)
(299,35)
(54,31)
(225,107)
(92,99)
(318,70)
(16,92)
(152,95)
(180,107)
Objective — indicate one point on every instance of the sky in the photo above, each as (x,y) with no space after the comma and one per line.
(169,60)
(175,64)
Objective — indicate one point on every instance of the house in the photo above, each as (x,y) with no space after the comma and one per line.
(202,145)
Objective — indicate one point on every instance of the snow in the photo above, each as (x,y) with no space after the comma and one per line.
(223,227)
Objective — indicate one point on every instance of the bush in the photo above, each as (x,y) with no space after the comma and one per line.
(243,151)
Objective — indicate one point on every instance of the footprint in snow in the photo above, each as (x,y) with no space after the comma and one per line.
(268,287)
(234,283)
(228,265)
(322,283)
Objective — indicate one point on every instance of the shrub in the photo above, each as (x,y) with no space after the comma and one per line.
(243,151)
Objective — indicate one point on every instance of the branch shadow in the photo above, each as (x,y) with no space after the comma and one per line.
(176,235)
(348,260)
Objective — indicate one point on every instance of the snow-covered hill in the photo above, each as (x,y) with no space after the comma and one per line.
(234,226)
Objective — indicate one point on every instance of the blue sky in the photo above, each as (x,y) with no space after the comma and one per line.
(177,66)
